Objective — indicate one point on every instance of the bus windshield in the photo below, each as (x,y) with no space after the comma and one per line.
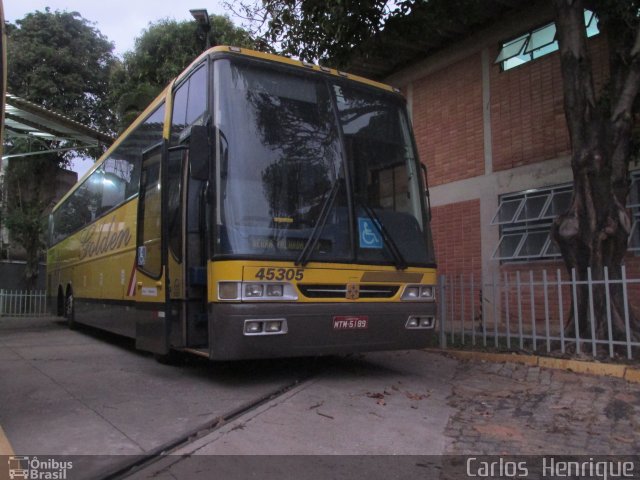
(309,162)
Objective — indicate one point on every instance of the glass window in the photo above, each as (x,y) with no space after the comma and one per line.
(279,164)
(532,207)
(189,103)
(384,175)
(149,227)
(525,220)
(507,211)
(541,38)
(197,103)
(560,202)
(283,170)
(114,182)
(537,43)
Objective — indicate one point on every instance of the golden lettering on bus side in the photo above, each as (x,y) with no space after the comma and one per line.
(102,238)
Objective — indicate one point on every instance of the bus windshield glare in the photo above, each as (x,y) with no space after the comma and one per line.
(315,163)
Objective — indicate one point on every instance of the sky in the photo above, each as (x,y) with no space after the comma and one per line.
(121,21)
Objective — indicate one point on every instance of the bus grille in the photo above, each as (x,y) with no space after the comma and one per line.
(340,291)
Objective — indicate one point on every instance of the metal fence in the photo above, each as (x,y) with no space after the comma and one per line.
(23,303)
(532,312)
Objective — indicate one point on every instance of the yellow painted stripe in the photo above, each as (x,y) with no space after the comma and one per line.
(5,445)
(630,374)
(285,60)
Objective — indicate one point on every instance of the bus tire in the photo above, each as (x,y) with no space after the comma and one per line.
(171,358)
(60,304)
(70,311)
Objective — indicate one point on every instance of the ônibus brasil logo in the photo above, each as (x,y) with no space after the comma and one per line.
(21,467)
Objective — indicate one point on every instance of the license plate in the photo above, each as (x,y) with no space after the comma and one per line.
(359,322)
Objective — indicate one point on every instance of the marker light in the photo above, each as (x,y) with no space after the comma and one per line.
(228,290)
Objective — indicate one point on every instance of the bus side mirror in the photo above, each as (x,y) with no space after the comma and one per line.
(199,152)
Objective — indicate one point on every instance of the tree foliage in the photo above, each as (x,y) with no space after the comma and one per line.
(332,32)
(60,61)
(164,50)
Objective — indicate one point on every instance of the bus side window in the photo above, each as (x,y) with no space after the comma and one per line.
(150,221)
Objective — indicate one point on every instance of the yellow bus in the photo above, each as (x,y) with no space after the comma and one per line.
(259,207)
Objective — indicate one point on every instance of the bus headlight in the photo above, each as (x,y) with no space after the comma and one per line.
(426,292)
(274,290)
(411,293)
(257,291)
(419,293)
(253,290)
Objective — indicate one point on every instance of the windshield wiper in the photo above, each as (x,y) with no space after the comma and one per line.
(312,241)
(392,246)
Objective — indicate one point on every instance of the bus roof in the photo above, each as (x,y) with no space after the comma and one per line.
(287,61)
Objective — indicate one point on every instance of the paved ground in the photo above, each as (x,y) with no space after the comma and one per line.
(515,409)
(64,392)
(420,404)
(84,392)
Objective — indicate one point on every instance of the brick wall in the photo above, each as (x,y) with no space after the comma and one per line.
(456,234)
(527,113)
(447,121)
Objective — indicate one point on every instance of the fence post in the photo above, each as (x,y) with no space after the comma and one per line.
(592,314)
(625,300)
(462,306)
(560,308)
(519,296)
(473,311)
(545,285)
(533,311)
(496,299)
(576,323)
(443,309)
(506,308)
(608,305)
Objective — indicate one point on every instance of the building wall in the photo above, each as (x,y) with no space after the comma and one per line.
(447,120)
(483,133)
(456,236)
(527,113)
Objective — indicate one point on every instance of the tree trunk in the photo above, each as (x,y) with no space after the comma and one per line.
(593,233)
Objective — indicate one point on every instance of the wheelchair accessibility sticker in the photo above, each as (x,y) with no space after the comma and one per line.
(369,234)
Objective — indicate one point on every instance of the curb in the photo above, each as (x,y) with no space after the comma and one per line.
(5,445)
(625,372)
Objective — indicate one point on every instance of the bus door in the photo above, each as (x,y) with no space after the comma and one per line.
(197,237)
(152,323)
(187,233)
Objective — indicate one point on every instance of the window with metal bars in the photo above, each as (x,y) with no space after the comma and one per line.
(537,43)
(525,220)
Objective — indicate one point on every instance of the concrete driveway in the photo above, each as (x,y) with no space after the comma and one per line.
(87,393)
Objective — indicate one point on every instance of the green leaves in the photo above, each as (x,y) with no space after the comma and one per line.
(164,50)
(61,61)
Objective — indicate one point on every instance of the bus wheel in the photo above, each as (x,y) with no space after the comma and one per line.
(69,311)
(60,305)
(171,358)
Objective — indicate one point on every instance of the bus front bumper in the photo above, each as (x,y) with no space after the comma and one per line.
(317,329)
